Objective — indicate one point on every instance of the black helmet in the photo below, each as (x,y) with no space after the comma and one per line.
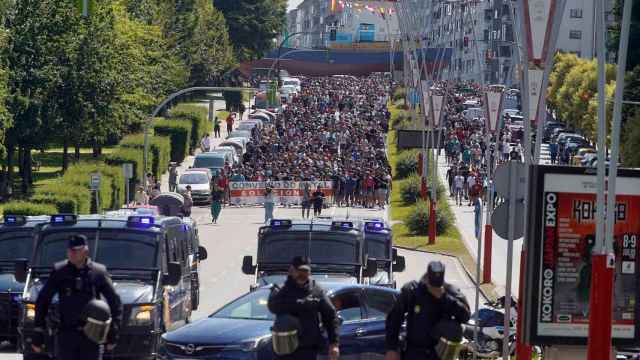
(97,318)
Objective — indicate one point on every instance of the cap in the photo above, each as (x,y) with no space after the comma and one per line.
(435,273)
(301,263)
(77,242)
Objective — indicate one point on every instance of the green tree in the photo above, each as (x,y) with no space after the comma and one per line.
(253,25)
(630,150)
(563,62)
(633,56)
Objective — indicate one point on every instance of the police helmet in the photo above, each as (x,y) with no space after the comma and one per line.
(285,334)
(97,318)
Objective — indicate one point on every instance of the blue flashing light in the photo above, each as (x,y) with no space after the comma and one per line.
(63,219)
(374,226)
(141,221)
(14,220)
(342,225)
(280,223)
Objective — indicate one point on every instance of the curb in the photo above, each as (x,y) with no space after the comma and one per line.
(469,274)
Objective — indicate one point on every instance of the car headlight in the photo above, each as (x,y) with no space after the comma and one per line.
(29,312)
(250,345)
(141,315)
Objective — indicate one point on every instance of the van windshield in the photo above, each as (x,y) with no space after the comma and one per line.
(15,245)
(208,162)
(322,247)
(194,178)
(117,248)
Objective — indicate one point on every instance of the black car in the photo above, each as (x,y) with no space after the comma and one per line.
(241,330)
(335,249)
(150,259)
(16,242)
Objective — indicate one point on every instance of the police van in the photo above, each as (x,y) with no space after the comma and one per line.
(150,261)
(334,248)
(378,247)
(16,242)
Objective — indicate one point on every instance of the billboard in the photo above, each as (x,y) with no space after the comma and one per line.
(561,239)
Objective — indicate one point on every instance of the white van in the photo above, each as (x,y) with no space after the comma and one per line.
(294,82)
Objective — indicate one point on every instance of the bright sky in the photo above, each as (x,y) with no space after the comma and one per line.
(293,4)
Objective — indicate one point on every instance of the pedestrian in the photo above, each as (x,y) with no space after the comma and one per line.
(141,197)
(79,283)
(553,152)
(173,177)
(205,144)
(217,195)
(216,127)
(306,200)
(458,182)
(188,201)
(269,204)
(302,298)
(477,216)
(318,200)
(425,305)
(230,120)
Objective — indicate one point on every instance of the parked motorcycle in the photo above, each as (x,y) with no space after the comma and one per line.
(490,324)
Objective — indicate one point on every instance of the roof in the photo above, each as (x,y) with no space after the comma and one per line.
(113,220)
(31,221)
(197,170)
(211,154)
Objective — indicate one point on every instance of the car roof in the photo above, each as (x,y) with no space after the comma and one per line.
(197,170)
(210,154)
(113,220)
(30,222)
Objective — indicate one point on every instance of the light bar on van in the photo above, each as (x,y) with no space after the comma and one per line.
(14,220)
(342,225)
(61,219)
(280,223)
(140,221)
(374,226)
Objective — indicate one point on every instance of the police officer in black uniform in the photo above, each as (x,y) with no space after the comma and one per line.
(77,281)
(303,299)
(426,303)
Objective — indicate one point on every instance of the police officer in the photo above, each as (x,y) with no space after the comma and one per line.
(77,281)
(426,302)
(303,299)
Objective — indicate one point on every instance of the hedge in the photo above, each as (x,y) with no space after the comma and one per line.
(199,118)
(122,155)
(418,220)
(111,190)
(406,164)
(179,132)
(160,146)
(28,208)
(68,197)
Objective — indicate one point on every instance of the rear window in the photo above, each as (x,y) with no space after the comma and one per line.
(194,178)
(209,162)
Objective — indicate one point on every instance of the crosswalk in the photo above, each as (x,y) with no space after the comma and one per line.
(545,156)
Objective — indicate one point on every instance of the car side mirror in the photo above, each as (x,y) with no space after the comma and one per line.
(172,278)
(340,320)
(372,268)
(20,270)
(394,254)
(247,265)
(202,253)
(399,264)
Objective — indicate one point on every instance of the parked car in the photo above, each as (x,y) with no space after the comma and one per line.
(242,328)
(231,151)
(199,180)
(212,161)
(240,133)
(580,154)
(237,144)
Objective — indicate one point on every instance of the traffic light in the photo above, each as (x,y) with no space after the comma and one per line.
(333,34)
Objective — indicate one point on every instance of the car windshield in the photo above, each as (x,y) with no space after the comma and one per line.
(322,247)
(252,306)
(194,178)
(15,245)
(378,245)
(209,162)
(116,248)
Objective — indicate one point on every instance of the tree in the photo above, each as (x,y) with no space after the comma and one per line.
(563,62)
(633,56)
(630,149)
(253,25)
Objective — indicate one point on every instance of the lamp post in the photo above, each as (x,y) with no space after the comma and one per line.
(280,50)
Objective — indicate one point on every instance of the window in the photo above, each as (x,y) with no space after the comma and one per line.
(575,13)
(379,303)
(575,34)
(348,306)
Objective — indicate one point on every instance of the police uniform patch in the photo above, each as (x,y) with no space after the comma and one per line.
(416,309)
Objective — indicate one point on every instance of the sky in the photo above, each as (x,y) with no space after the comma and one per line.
(293,4)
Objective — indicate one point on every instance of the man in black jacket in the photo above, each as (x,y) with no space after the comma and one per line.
(77,281)
(302,298)
(426,303)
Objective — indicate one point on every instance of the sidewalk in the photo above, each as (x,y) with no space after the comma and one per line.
(465,224)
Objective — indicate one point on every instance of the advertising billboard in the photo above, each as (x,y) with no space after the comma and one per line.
(561,239)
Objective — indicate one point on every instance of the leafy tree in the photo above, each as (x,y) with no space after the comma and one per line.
(563,63)
(253,24)
(633,56)
(630,150)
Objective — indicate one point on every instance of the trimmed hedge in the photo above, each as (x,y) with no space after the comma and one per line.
(418,220)
(28,208)
(67,197)
(199,118)
(124,155)
(179,131)
(160,146)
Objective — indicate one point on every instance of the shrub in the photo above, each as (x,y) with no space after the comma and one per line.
(160,146)
(410,189)
(111,192)
(199,117)
(28,208)
(418,220)
(124,155)
(400,120)
(406,163)
(62,193)
(180,134)
(399,94)
(65,205)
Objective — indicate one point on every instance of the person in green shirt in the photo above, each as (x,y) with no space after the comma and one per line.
(216,127)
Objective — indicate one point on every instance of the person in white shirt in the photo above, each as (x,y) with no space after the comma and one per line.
(205,144)
(458,183)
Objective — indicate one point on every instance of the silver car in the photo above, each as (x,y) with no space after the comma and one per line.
(199,180)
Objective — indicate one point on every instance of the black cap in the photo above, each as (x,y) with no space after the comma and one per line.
(435,273)
(76,242)
(301,263)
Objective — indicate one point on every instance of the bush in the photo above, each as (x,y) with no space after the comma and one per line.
(64,205)
(180,134)
(406,163)
(410,189)
(63,193)
(122,155)
(111,192)
(400,120)
(160,146)
(199,117)
(28,208)
(399,94)
(418,220)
